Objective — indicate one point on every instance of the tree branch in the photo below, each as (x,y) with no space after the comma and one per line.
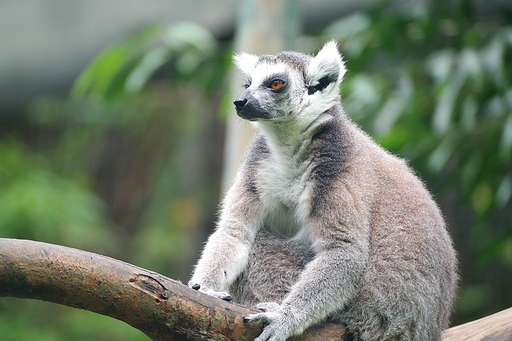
(162,308)
(495,327)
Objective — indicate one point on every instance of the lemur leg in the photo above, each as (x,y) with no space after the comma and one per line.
(275,263)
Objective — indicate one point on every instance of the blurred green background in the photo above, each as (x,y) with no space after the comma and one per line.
(127,160)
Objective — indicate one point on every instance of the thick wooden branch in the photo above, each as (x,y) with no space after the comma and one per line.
(162,308)
(496,327)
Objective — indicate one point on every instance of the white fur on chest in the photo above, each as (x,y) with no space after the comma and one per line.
(283,187)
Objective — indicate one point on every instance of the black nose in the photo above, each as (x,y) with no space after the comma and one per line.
(240,102)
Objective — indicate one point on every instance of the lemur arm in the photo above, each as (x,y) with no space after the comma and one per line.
(227,251)
(328,282)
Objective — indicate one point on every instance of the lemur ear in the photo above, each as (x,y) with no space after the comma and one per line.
(245,62)
(325,68)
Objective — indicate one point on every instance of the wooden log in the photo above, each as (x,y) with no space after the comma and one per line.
(162,308)
(496,327)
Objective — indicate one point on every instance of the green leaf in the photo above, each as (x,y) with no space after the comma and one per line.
(394,107)
(492,57)
(470,170)
(440,65)
(494,107)
(184,35)
(469,62)
(102,76)
(145,68)
(482,198)
(348,26)
(440,155)
(469,111)
(99,75)
(363,92)
(504,192)
(506,139)
(445,106)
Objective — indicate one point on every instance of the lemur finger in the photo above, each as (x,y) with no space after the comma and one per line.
(256,317)
(268,306)
(222,295)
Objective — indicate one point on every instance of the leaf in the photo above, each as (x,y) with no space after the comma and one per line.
(185,35)
(348,26)
(470,170)
(469,61)
(504,192)
(394,107)
(440,65)
(445,106)
(506,139)
(494,107)
(363,91)
(145,68)
(100,76)
(492,57)
(440,155)
(469,111)
(481,198)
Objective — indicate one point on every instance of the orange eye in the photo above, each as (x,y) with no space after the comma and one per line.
(276,85)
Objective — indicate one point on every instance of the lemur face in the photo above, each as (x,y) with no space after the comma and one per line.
(289,85)
(269,92)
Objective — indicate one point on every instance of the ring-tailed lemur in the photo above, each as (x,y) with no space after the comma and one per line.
(322,223)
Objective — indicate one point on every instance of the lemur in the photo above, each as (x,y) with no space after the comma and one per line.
(320,222)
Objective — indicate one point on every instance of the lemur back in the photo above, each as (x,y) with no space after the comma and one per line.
(322,223)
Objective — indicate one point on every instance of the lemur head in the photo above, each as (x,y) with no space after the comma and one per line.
(289,85)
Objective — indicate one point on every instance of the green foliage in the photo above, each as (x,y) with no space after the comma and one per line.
(42,321)
(426,107)
(431,83)
(114,169)
(38,203)
(124,68)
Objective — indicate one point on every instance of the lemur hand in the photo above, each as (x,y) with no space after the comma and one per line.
(218,294)
(277,325)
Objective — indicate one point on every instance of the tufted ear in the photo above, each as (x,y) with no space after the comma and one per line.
(325,68)
(245,62)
